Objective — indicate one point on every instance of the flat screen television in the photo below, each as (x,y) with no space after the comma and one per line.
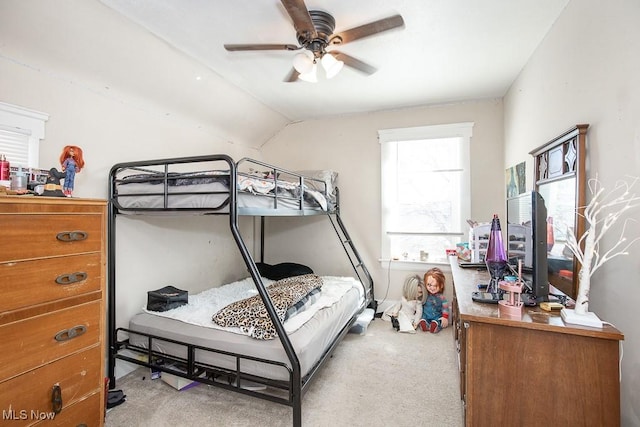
(527,241)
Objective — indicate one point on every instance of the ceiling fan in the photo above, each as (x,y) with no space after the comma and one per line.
(314,31)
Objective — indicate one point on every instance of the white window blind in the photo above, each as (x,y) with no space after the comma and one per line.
(425,190)
(21,130)
(15,146)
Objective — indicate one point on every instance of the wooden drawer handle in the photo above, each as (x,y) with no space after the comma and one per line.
(56,399)
(72,236)
(68,334)
(68,279)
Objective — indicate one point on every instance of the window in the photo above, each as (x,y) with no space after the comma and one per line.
(425,191)
(21,130)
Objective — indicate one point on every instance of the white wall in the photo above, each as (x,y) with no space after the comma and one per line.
(587,70)
(349,145)
(84,44)
(71,60)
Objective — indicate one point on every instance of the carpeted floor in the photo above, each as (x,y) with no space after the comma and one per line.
(381,378)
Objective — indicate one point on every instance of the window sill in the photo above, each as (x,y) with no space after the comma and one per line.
(412,265)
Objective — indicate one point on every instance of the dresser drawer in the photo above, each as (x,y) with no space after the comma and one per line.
(34,282)
(85,413)
(30,236)
(28,398)
(35,341)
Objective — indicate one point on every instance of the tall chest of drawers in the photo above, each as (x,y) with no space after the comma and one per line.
(52,311)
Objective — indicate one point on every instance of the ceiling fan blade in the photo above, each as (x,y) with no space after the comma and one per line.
(367,30)
(354,62)
(302,22)
(238,47)
(292,76)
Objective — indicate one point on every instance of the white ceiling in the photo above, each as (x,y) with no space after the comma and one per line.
(448,50)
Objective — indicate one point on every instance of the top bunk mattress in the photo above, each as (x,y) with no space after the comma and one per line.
(170,187)
(310,331)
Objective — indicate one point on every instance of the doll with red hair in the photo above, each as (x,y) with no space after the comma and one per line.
(72,162)
(435,310)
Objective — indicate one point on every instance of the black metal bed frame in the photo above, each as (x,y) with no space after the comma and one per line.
(284,392)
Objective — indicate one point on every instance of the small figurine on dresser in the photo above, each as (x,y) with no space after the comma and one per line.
(52,187)
(72,162)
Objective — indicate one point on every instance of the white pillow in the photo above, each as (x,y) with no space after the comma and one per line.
(329,177)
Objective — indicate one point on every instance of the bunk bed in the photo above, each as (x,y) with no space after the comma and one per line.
(283,367)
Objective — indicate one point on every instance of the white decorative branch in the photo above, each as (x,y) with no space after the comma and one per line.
(603,212)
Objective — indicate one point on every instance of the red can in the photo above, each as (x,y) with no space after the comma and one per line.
(5,171)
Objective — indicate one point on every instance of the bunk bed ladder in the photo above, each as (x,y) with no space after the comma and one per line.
(354,257)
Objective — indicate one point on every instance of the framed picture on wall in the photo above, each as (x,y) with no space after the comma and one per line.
(515,177)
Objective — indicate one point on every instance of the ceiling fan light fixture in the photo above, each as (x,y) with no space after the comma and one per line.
(302,62)
(311,76)
(331,65)
(315,33)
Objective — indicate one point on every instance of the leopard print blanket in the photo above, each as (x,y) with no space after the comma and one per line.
(250,314)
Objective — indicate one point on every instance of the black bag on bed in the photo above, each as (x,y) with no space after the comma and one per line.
(166,298)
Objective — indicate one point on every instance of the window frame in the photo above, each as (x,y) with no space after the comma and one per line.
(388,139)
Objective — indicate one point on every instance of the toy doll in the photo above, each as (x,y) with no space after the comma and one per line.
(406,314)
(435,311)
(72,162)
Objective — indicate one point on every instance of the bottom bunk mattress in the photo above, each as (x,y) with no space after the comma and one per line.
(310,331)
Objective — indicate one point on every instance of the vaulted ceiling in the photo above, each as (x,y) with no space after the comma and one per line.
(447,50)
(167,57)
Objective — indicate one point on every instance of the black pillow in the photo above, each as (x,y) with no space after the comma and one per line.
(282,270)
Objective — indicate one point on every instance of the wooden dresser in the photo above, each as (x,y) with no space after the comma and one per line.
(533,371)
(52,297)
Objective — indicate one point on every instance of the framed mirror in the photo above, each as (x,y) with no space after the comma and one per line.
(559,170)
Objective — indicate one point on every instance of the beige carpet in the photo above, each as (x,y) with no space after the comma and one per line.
(382,378)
